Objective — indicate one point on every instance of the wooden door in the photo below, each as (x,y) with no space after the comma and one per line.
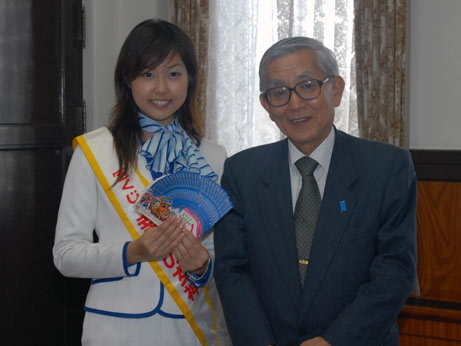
(40,113)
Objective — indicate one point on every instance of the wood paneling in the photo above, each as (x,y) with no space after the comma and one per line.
(434,317)
(40,97)
(420,332)
(439,240)
(411,340)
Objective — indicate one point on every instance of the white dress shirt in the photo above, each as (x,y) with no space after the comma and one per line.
(322,154)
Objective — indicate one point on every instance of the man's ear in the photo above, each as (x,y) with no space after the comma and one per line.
(264,103)
(338,89)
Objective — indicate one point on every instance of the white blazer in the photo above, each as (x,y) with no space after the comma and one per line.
(139,300)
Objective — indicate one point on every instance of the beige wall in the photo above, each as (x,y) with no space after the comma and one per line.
(435,74)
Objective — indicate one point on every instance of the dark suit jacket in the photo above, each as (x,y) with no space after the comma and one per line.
(363,257)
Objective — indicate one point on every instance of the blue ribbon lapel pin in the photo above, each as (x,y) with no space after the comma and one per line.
(342,206)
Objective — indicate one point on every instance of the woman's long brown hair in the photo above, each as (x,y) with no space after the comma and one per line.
(147,46)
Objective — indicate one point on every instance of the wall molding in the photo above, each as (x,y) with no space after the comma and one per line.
(437,165)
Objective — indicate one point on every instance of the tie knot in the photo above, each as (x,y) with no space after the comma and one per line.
(306,165)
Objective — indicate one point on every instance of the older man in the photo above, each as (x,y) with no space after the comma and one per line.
(320,248)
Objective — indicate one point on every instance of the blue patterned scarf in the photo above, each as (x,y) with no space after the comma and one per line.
(171,150)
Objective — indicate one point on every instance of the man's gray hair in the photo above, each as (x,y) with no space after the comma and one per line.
(325,57)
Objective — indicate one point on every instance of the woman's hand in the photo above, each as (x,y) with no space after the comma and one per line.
(192,256)
(157,242)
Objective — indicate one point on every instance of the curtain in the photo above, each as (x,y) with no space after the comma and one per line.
(192,17)
(240,32)
(380,39)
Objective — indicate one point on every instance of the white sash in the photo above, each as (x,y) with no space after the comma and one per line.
(194,303)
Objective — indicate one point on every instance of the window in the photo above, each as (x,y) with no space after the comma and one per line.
(240,32)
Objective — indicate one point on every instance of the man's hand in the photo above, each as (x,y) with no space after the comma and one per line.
(317,341)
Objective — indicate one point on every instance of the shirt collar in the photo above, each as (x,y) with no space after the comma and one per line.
(321,154)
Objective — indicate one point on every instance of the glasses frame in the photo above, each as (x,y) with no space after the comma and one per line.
(321,83)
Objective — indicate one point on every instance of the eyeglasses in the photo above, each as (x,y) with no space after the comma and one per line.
(307,90)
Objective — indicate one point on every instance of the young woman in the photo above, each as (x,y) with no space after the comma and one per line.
(148,283)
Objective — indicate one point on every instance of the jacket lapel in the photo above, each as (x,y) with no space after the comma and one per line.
(276,208)
(337,207)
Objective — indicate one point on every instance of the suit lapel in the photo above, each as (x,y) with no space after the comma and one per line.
(337,207)
(276,207)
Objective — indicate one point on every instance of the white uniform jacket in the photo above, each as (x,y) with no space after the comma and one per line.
(137,294)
